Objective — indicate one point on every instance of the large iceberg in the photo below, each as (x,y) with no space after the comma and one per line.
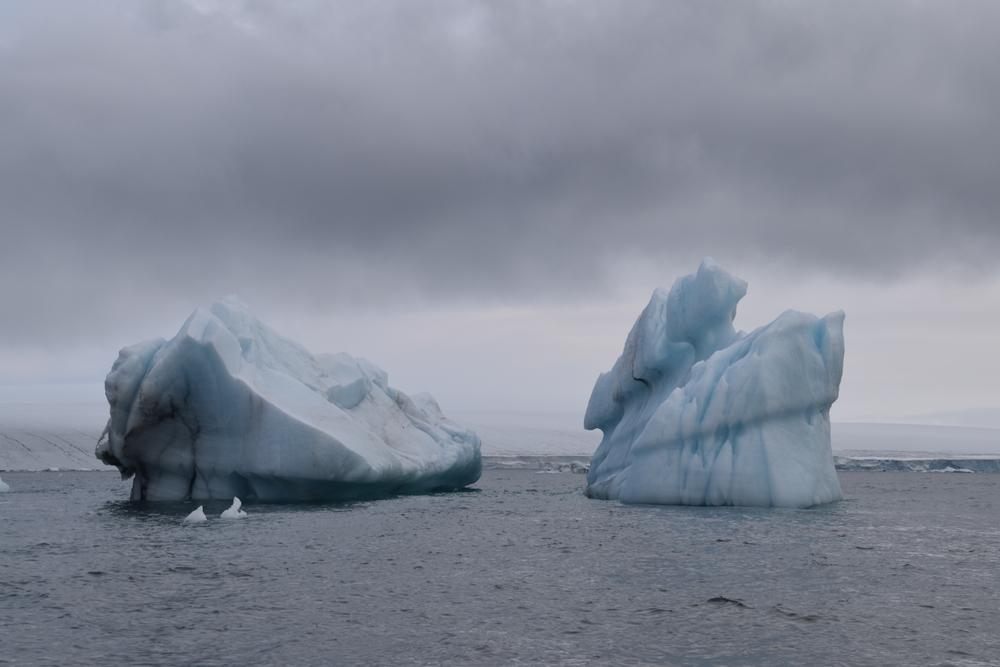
(696,413)
(230,408)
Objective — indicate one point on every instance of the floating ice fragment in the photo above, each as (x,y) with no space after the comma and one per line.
(197,516)
(234,511)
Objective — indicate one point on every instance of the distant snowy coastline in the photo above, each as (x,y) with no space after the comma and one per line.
(40,448)
(579,464)
(980,464)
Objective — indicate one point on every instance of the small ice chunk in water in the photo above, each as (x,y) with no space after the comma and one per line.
(234,511)
(4,487)
(197,516)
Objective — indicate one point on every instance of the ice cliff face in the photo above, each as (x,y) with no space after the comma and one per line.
(230,408)
(694,413)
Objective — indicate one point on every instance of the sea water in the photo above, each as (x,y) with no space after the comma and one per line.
(521,569)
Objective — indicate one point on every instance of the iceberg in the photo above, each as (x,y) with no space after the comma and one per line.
(696,413)
(230,408)
(4,487)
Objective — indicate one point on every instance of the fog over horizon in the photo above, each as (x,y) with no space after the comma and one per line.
(480,197)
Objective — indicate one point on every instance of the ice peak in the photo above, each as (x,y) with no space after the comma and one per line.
(701,308)
(233,302)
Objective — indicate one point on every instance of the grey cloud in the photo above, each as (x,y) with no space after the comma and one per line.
(454,150)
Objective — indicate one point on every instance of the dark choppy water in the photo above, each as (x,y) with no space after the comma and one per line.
(524,570)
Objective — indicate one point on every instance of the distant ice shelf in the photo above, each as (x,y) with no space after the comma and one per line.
(230,408)
(557,463)
(696,413)
(46,435)
(575,464)
(856,447)
(981,464)
(42,447)
(512,434)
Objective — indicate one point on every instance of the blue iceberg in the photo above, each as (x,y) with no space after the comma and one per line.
(696,413)
(230,408)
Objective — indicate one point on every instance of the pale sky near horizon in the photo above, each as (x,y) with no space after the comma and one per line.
(480,197)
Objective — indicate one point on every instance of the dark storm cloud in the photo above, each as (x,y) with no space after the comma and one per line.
(330,151)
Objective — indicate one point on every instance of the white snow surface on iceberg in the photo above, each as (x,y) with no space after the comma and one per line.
(230,408)
(696,413)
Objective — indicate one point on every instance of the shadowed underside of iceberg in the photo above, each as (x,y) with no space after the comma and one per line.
(696,413)
(230,408)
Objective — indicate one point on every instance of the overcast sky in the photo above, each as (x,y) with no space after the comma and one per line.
(480,197)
